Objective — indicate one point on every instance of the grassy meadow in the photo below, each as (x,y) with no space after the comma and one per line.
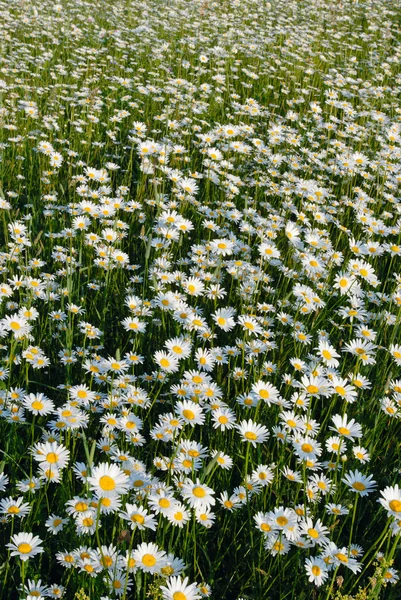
(200,299)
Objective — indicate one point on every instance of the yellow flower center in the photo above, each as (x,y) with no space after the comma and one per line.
(24,548)
(395,505)
(107,483)
(88,568)
(313,533)
(51,458)
(138,519)
(37,405)
(199,492)
(188,414)
(148,560)
(341,557)
(107,561)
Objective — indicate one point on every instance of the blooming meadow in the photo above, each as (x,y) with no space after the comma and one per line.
(200,328)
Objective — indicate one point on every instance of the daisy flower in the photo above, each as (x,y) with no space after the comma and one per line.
(316,570)
(108,481)
(204,517)
(336,509)
(205,359)
(149,558)
(277,545)
(25,545)
(197,494)
(51,454)
(117,582)
(315,386)
(252,432)
(340,556)
(222,247)
(38,404)
(223,418)
(224,318)
(328,354)
(138,517)
(17,324)
(190,412)
(179,589)
(193,286)
(14,508)
(174,566)
(349,429)
(283,519)
(3,481)
(223,460)
(250,324)
(390,576)
(178,515)
(360,483)
(343,389)
(54,524)
(35,589)
(263,522)
(307,448)
(316,532)
(167,361)
(179,347)
(263,475)
(265,391)
(361,454)
(391,500)
(85,523)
